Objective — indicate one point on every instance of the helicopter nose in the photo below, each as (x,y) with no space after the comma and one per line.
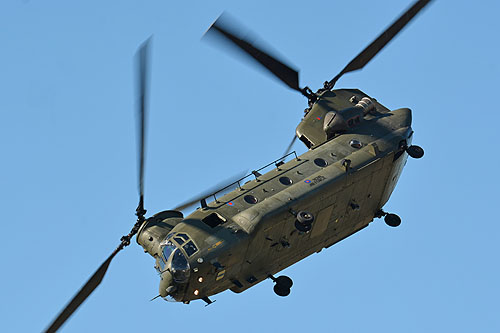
(165,283)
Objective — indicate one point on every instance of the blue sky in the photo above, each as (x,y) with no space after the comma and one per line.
(68,174)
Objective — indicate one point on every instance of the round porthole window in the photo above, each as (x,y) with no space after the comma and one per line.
(285,181)
(320,162)
(250,199)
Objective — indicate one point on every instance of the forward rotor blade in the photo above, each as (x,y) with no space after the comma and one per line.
(142,63)
(285,73)
(82,295)
(211,191)
(371,50)
(96,279)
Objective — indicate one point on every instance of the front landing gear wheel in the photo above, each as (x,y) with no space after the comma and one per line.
(415,151)
(282,286)
(392,220)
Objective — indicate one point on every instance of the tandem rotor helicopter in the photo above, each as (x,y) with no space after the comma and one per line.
(259,224)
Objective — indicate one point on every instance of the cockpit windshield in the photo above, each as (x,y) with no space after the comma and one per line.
(174,260)
(167,250)
(179,267)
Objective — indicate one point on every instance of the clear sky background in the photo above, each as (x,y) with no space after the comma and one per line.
(68,169)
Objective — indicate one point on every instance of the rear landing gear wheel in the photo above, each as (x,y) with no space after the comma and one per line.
(281,291)
(284,281)
(415,151)
(282,286)
(392,220)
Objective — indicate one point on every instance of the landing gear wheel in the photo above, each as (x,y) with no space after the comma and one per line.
(415,151)
(392,220)
(282,286)
(284,281)
(302,227)
(304,221)
(304,217)
(281,291)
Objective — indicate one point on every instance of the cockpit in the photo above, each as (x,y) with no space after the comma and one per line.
(173,264)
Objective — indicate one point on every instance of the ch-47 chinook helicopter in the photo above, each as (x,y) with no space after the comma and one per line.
(264,222)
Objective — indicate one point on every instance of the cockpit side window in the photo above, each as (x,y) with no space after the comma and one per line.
(167,250)
(190,248)
(179,240)
(183,236)
(161,264)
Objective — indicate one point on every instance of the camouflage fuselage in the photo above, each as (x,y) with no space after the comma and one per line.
(342,184)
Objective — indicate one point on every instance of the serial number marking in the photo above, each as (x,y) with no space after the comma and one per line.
(315,180)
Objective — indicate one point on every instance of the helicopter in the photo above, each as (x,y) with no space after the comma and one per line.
(254,226)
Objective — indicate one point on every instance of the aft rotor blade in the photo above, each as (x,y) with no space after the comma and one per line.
(226,184)
(371,50)
(142,62)
(285,73)
(82,295)
(290,145)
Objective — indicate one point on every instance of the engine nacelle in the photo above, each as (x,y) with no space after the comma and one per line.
(336,122)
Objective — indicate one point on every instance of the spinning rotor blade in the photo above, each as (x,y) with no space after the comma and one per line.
(96,279)
(211,191)
(371,50)
(82,295)
(285,73)
(290,145)
(142,56)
